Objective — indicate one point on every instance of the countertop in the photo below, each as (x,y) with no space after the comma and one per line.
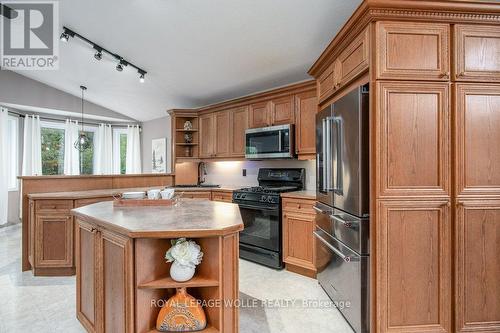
(191,218)
(307,194)
(223,188)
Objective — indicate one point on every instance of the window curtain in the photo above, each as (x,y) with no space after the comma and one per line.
(4,165)
(103,151)
(32,146)
(71,154)
(133,158)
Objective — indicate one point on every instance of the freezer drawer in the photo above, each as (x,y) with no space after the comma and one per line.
(344,275)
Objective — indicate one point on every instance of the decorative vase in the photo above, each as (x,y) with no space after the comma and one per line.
(181,273)
(188,138)
(181,313)
(188,125)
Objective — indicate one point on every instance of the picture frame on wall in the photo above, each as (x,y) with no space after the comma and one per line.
(159,155)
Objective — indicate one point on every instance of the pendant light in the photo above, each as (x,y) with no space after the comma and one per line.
(83,142)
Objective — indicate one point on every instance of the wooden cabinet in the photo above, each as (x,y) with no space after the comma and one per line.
(413,131)
(282,111)
(413,266)
(258,115)
(413,51)
(477,266)
(222,133)
(278,111)
(202,195)
(477,53)
(298,240)
(477,139)
(306,106)
(325,83)
(90,201)
(53,240)
(238,125)
(207,135)
(222,196)
(104,280)
(353,61)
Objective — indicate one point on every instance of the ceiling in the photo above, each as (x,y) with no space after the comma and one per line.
(196,52)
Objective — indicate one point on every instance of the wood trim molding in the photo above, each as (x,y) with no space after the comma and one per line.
(456,11)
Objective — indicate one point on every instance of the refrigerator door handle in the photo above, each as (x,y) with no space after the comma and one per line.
(328,160)
(338,186)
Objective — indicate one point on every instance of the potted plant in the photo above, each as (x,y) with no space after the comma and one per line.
(184,255)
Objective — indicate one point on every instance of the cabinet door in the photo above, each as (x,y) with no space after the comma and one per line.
(478,266)
(413,51)
(282,111)
(326,83)
(207,136)
(54,240)
(238,125)
(414,138)
(86,292)
(477,139)
(31,239)
(116,282)
(413,266)
(222,133)
(306,106)
(354,60)
(298,240)
(258,115)
(477,52)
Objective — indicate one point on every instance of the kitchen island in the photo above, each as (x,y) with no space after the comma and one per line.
(122,276)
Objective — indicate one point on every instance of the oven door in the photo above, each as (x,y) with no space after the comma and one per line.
(262,226)
(269,142)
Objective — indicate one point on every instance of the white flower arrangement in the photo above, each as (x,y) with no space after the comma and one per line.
(186,253)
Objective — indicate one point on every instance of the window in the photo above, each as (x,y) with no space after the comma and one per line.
(87,156)
(119,150)
(13,133)
(52,148)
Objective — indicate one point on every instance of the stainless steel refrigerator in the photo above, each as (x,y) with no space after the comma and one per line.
(342,219)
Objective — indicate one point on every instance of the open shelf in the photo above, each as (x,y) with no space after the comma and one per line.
(167,282)
(209,329)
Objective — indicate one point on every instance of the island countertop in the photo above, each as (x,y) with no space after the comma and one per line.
(191,218)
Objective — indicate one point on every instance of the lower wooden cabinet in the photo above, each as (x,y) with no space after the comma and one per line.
(477,266)
(105,297)
(413,261)
(222,196)
(207,195)
(298,240)
(54,241)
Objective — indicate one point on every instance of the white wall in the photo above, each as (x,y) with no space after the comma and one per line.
(230,172)
(155,129)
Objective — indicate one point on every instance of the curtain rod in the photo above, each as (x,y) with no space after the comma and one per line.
(63,120)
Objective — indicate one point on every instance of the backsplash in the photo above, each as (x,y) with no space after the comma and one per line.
(230,172)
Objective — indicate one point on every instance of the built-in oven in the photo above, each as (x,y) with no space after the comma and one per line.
(260,240)
(269,142)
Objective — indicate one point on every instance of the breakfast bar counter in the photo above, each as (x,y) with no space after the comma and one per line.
(123,277)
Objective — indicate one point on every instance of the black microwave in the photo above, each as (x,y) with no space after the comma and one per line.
(269,142)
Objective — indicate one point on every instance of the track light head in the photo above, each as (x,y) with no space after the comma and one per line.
(98,54)
(141,75)
(64,37)
(119,67)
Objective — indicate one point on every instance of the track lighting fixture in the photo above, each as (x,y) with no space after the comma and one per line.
(98,54)
(141,75)
(67,33)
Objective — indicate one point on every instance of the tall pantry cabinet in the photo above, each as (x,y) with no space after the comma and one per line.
(434,74)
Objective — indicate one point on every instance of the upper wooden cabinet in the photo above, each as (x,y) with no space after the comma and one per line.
(413,51)
(325,83)
(282,111)
(207,135)
(477,52)
(306,106)
(478,266)
(258,115)
(222,133)
(278,111)
(477,139)
(238,124)
(413,133)
(413,266)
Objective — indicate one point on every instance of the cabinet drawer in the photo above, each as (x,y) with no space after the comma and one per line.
(413,51)
(53,205)
(302,206)
(477,50)
(222,196)
(196,195)
(86,202)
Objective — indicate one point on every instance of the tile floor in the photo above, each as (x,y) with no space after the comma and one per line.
(47,304)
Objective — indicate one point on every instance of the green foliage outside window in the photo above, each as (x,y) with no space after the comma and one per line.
(52,151)
(87,157)
(123,152)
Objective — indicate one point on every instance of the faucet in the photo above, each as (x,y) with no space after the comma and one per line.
(202,172)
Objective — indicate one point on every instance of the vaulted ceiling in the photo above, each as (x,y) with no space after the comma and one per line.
(196,52)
